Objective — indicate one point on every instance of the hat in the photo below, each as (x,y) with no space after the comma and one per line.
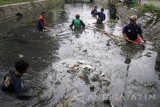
(133,17)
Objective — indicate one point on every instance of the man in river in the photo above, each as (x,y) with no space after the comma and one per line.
(101,16)
(113,12)
(94,11)
(133,31)
(12,80)
(77,23)
(41,24)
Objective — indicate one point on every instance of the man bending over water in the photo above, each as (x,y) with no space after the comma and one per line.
(12,80)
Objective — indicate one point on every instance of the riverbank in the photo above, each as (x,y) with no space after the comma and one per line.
(4,2)
(9,12)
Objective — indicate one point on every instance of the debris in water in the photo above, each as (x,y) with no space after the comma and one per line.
(33,57)
(87,67)
(85,78)
(135,82)
(103,75)
(58,83)
(95,78)
(127,61)
(21,56)
(107,102)
(81,62)
(148,54)
(92,88)
(73,68)
(85,50)
(150,84)
(81,77)
(107,82)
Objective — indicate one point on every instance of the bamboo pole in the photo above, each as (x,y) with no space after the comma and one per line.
(111,35)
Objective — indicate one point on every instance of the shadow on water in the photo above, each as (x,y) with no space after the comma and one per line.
(79,68)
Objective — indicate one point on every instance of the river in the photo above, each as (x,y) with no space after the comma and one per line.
(81,68)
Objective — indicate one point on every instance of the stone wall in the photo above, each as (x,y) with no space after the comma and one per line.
(8,12)
(102,3)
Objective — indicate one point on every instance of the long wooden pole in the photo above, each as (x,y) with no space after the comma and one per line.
(110,34)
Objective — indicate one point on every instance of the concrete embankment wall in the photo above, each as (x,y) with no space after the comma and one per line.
(8,12)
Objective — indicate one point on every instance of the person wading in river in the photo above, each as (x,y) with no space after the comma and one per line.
(12,80)
(77,23)
(133,31)
(94,11)
(41,24)
(113,12)
(101,16)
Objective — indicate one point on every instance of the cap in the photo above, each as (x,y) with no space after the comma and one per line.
(133,17)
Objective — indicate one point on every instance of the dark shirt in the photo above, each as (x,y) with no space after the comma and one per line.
(112,10)
(41,24)
(74,23)
(132,31)
(14,84)
(101,16)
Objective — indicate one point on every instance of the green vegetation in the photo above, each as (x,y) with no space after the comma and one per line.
(150,9)
(3,2)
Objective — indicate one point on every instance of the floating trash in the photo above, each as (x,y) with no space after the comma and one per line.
(95,78)
(73,68)
(20,55)
(92,88)
(87,67)
(107,102)
(127,61)
(81,62)
(85,50)
(58,83)
(103,75)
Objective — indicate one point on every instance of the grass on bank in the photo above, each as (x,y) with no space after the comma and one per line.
(4,2)
(149,8)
